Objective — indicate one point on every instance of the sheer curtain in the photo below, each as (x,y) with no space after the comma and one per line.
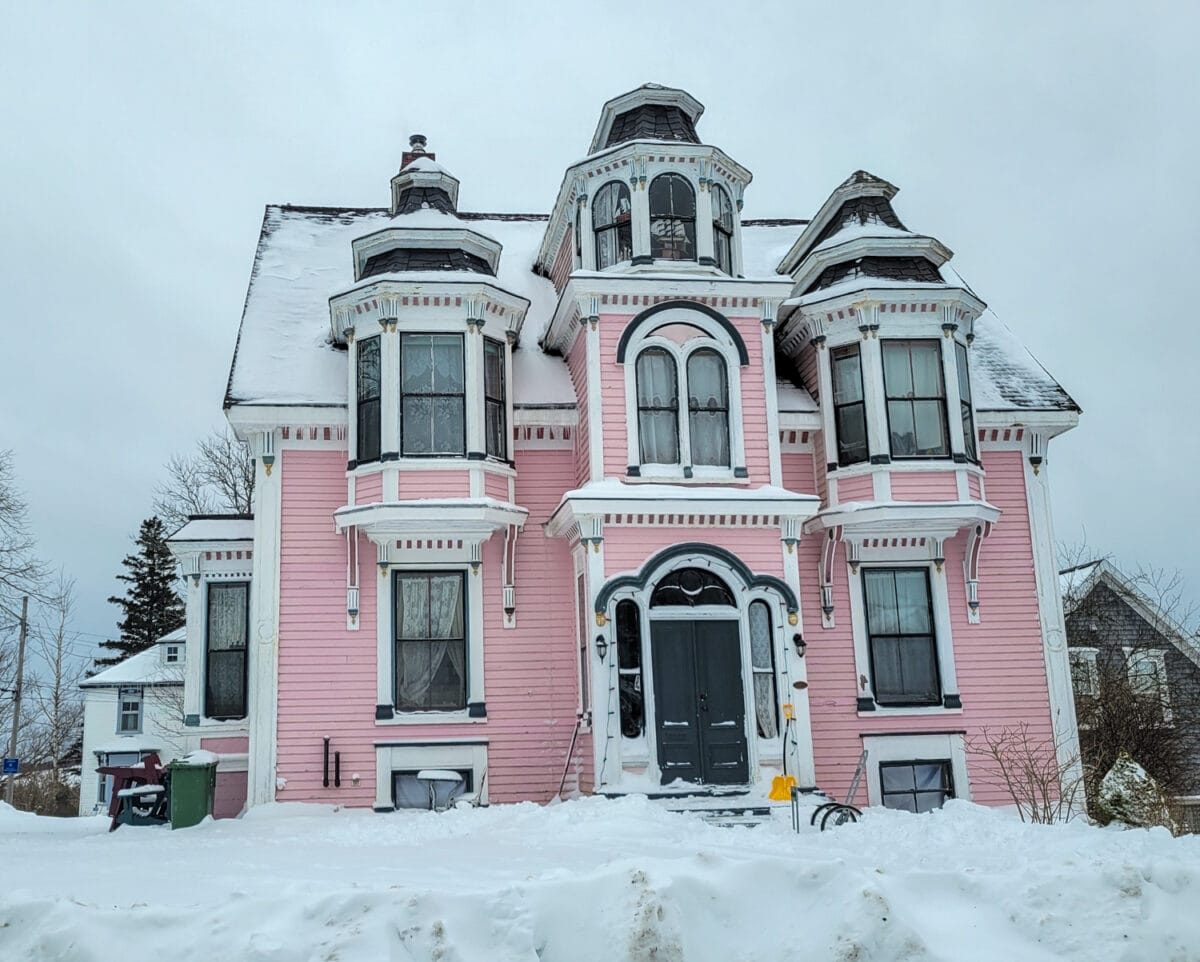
(763,662)
(429,621)
(658,400)
(708,408)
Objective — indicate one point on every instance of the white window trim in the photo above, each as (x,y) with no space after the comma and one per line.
(942,636)
(141,709)
(1159,657)
(908,748)
(391,758)
(716,339)
(1086,657)
(385,642)
(176,648)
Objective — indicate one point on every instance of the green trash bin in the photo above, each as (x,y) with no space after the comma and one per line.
(193,784)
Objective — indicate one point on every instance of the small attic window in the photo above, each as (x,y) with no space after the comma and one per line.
(173,654)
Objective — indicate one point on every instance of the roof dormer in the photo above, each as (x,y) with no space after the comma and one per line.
(422,183)
(651,112)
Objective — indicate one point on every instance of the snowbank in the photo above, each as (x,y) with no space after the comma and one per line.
(601,880)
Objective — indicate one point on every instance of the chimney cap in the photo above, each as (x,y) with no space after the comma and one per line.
(417,142)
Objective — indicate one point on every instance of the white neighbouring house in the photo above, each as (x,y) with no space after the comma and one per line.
(129,711)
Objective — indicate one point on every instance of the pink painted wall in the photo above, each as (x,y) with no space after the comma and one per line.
(226,746)
(626,549)
(798,471)
(436,485)
(495,486)
(577,368)
(924,486)
(229,796)
(368,488)
(859,488)
(974,487)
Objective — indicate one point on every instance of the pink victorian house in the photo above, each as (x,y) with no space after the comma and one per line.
(637,496)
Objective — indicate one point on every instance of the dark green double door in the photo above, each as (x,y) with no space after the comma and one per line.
(699,702)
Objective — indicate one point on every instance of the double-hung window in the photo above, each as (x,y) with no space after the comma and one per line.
(964,402)
(918,786)
(612,225)
(129,709)
(431,641)
(903,653)
(708,408)
(432,395)
(1146,669)
(225,650)
(494,400)
(664,437)
(658,407)
(369,384)
(916,399)
(849,407)
(672,218)
(722,211)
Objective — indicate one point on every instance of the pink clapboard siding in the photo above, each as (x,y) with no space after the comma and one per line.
(860,488)
(368,488)
(999,662)
(798,471)
(626,549)
(434,485)
(975,487)
(327,672)
(577,368)
(229,794)
(612,393)
(924,486)
(564,261)
(226,746)
(495,485)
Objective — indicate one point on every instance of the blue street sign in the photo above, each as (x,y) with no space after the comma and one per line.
(12,766)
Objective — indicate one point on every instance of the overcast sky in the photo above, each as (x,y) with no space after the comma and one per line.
(1052,146)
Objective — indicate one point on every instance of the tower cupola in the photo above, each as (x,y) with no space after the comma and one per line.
(422,183)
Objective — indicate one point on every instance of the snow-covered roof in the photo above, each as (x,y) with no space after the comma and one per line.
(793,399)
(144,668)
(284,354)
(128,743)
(216,528)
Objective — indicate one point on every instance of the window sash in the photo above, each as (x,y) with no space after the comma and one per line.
(368,392)
(432,398)
(225,650)
(658,404)
(916,786)
(430,632)
(849,406)
(762,664)
(722,230)
(672,218)
(708,417)
(129,710)
(964,400)
(612,225)
(495,400)
(901,642)
(916,399)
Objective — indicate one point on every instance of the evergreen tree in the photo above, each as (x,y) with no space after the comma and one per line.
(151,606)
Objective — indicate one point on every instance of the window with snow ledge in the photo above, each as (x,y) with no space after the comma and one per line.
(916,773)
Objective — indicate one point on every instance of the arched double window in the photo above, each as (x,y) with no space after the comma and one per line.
(612,225)
(672,218)
(722,213)
(659,408)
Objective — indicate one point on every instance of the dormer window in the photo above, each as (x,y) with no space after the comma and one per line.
(369,394)
(432,395)
(722,210)
(672,218)
(916,399)
(612,225)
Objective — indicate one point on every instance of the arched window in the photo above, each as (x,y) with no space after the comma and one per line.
(658,404)
(690,587)
(762,661)
(672,218)
(722,211)
(612,225)
(629,669)
(708,408)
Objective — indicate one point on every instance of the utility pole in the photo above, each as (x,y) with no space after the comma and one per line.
(12,740)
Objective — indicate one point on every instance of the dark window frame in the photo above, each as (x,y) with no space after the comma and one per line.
(433,395)
(947,792)
(366,404)
(621,225)
(208,652)
(497,403)
(970,441)
(889,400)
(397,576)
(837,354)
(678,225)
(673,581)
(935,699)
(722,231)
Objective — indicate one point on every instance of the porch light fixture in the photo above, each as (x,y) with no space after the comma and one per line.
(601,647)
(800,643)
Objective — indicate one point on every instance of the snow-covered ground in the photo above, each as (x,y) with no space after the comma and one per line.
(594,880)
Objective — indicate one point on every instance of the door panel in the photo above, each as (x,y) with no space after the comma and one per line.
(700,713)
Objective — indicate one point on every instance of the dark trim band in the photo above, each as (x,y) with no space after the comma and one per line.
(632,326)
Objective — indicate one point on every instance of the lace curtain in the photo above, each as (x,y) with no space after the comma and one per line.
(430,644)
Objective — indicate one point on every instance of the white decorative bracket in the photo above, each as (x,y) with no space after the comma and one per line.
(790,535)
(937,551)
(828,553)
(267,443)
(384,555)
(508,575)
(591,530)
(1037,451)
(971,568)
(589,310)
(352,579)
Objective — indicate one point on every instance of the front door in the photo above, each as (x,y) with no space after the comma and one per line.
(699,702)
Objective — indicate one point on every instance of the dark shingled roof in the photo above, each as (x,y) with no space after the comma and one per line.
(653,122)
(425,259)
(858,212)
(889,268)
(419,198)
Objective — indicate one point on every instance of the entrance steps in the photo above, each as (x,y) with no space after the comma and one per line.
(725,809)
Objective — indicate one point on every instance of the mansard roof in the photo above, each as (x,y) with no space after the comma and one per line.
(648,112)
(284,354)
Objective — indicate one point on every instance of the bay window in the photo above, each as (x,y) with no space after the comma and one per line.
(225,650)
(849,407)
(369,394)
(964,401)
(900,636)
(672,218)
(494,400)
(612,225)
(432,395)
(430,641)
(916,399)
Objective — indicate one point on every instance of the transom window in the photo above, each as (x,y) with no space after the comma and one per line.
(672,218)
(903,654)
(849,408)
(916,399)
(431,641)
(225,651)
(917,786)
(964,402)
(494,400)
(369,385)
(722,212)
(762,663)
(612,225)
(129,709)
(661,436)
(691,587)
(432,389)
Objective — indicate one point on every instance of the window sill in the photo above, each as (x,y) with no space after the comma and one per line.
(882,712)
(651,475)
(431,718)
